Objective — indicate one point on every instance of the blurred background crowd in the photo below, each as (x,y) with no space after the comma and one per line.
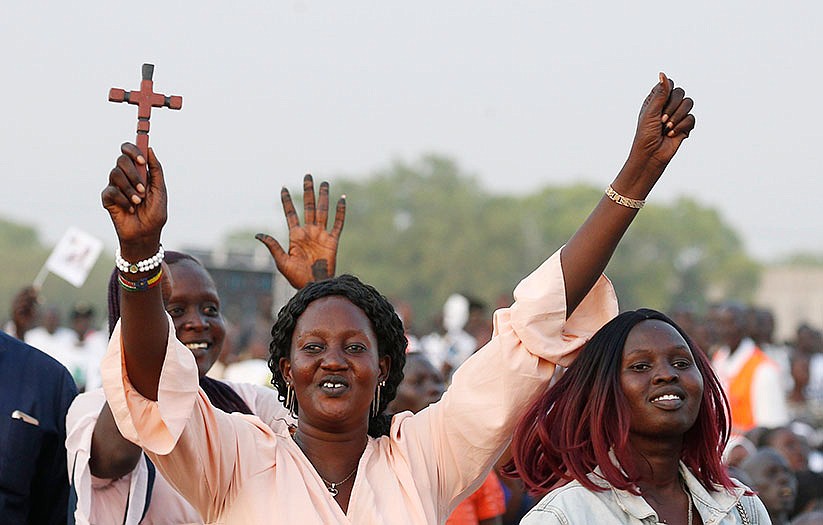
(775,385)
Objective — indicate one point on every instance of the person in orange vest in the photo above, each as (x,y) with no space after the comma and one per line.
(750,378)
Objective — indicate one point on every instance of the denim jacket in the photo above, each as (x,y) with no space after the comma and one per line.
(575,504)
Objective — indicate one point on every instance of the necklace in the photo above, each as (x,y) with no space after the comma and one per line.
(691,504)
(333,486)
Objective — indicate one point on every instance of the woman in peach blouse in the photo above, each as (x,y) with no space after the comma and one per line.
(337,357)
(110,478)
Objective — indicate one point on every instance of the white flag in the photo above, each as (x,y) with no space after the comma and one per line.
(74,256)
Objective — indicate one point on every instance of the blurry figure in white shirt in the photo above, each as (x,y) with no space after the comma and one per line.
(81,348)
(751,379)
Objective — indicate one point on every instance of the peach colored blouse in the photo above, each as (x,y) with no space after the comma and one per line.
(234,468)
(123,500)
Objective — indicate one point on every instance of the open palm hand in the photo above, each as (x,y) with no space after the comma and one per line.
(312,254)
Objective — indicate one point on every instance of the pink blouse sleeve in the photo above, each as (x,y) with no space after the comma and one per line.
(197,448)
(460,437)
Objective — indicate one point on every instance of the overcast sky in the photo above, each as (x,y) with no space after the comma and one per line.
(520,93)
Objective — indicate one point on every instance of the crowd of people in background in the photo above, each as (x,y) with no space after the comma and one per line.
(78,344)
(775,387)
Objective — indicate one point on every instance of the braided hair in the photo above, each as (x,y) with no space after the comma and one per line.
(391,339)
(220,394)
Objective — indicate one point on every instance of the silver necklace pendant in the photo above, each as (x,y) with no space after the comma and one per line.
(332,487)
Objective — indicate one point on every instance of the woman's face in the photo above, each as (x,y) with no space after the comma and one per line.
(195,309)
(660,380)
(422,385)
(334,365)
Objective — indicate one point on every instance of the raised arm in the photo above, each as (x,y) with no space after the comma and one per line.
(664,122)
(24,311)
(136,200)
(312,254)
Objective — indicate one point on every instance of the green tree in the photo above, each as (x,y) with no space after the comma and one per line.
(423,230)
(682,254)
(804,259)
(22,254)
(414,231)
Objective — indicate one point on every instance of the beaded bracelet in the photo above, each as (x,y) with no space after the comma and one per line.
(634,204)
(140,285)
(146,265)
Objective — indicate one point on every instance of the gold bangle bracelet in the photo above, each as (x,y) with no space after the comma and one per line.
(634,204)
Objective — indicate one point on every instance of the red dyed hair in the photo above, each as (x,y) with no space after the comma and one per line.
(574,425)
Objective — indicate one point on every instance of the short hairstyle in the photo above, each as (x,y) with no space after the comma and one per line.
(751,463)
(738,311)
(82,310)
(391,339)
(576,424)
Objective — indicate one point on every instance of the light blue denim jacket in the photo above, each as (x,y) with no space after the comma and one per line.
(574,504)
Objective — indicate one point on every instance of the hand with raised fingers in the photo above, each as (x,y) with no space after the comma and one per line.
(312,254)
(136,200)
(665,121)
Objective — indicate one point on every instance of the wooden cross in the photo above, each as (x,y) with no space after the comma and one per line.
(145,99)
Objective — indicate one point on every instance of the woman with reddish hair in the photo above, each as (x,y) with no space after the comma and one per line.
(632,433)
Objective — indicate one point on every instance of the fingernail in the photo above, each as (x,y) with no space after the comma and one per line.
(136,199)
(670,125)
(140,187)
(259,236)
(670,133)
(664,118)
(140,159)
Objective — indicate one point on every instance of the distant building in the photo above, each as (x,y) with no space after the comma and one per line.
(794,293)
(241,276)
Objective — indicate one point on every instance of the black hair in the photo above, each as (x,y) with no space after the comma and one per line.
(391,339)
(82,310)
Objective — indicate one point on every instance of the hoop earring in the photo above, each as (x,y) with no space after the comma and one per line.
(290,400)
(375,404)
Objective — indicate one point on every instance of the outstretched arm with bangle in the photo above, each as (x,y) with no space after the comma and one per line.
(664,122)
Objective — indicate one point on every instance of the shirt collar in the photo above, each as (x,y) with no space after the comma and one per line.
(718,501)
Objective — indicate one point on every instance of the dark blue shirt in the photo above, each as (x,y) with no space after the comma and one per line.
(35,394)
